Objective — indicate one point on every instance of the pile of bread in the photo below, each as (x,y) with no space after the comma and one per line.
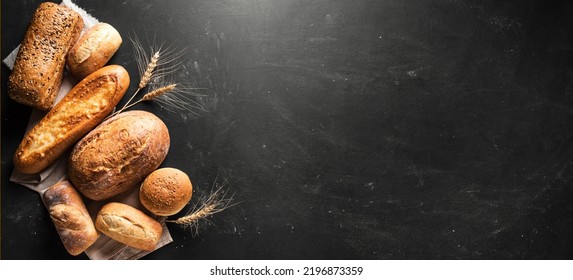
(107,157)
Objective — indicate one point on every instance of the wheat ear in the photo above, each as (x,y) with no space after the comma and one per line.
(181,98)
(202,213)
(158,92)
(149,96)
(145,77)
(149,70)
(213,203)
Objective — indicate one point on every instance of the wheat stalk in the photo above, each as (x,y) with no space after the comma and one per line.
(182,98)
(158,92)
(213,203)
(162,62)
(196,216)
(149,70)
(145,78)
(154,71)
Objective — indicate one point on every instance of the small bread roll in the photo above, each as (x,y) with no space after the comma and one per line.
(166,191)
(128,225)
(93,50)
(70,216)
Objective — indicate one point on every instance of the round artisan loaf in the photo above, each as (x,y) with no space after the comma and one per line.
(93,50)
(128,225)
(118,154)
(166,191)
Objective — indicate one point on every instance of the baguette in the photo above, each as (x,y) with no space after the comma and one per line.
(118,154)
(93,50)
(39,66)
(128,225)
(82,109)
(70,216)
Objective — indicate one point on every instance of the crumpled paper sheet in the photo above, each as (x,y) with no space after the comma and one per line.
(104,248)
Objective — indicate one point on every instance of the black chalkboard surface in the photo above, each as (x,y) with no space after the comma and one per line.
(392,129)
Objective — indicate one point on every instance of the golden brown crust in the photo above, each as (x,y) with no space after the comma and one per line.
(118,154)
(93,50)
(166,191)
(70,216)
(129,226)
(83,108)
(39,67)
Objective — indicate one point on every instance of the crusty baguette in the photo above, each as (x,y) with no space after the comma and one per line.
(82,109)
(93,50)
(128,225)
(70,216)
(118,154)
(39,67)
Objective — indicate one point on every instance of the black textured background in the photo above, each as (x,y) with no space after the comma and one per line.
(393,129)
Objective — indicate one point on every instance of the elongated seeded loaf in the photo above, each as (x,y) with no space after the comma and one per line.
(39,67)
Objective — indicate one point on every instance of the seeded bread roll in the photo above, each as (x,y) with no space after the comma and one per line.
(82,109)
(39,67)
(93,50)
(118,154)
(70,216)
(128,225)
(166,191)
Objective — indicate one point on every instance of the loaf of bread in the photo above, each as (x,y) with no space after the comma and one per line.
(39,67)
(118,154)
(166,191)
(82,109)
(128,225)
(93,50)
(70,216)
